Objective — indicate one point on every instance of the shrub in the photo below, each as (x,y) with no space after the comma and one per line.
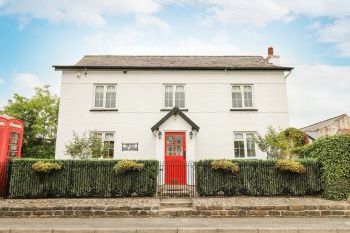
(258,178)
(46,167)
(86,146)
(281,144)
(81,178)
(225,165)
(288,165)
(334,154)
(128,165)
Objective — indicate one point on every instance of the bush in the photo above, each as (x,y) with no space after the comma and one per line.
(288,165)
(128,165)
(81,178)
(281,144)
(225,165)
(334,154)
(258,178)
(46,167)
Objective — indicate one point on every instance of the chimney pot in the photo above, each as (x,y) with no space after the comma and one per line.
(270,51)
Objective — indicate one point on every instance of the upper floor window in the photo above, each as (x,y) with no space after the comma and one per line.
(244,144)
(174,96)
(104,144)
(105,96)
(242,96)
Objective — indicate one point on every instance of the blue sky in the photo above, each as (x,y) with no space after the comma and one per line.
(312,37)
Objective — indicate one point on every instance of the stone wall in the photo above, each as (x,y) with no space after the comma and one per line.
(151,207)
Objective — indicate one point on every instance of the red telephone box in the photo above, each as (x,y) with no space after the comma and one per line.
(11,138)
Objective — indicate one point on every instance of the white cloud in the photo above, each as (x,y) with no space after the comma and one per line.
(318,92)
(337,32)
(88,12)
(150,20)
(130,40)
(25,83)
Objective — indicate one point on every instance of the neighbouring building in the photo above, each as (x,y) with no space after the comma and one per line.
(335,125)
(185,108)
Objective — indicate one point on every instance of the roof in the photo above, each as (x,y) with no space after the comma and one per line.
(7,117)
(322,124)
(173,62)
(175,111)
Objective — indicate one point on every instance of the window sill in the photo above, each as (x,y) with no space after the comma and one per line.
(243,110)
(169,109)
(103,110)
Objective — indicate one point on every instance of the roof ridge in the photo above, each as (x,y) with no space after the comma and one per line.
(111,55)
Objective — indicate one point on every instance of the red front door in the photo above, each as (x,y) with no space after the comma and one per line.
(175,158)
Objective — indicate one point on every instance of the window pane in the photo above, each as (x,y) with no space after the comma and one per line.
(236,97)
(238,136)
(99,96)
(180,100)
(250,145)
(110,97)
(248,96)
(109,136)
(168,99)
(239,149)
(180,96)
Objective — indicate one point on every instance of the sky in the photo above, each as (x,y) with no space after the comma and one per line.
(312,36)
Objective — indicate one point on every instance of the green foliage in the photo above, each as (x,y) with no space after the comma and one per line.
(281,144)
(81,178)
(225,165)
(128,165)
(39,114)
(289,165)
(258,178)
(334,154)
(46,167)
(86,146)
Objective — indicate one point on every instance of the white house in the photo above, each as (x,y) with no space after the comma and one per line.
(184,108)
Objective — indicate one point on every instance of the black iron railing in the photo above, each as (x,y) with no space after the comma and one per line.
(176,179)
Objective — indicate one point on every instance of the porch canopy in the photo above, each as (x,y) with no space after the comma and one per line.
(173,112)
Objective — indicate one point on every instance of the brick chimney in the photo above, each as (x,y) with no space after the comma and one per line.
(271,58)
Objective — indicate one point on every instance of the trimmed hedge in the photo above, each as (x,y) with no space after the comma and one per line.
(258,178)
(81,178)
(334,155)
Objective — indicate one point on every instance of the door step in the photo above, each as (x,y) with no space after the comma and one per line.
(176,207)
(176,203)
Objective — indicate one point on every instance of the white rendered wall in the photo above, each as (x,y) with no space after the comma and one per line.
(139,100)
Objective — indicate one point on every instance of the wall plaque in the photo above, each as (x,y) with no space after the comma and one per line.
(130,146)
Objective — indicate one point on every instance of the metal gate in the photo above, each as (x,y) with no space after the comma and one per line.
(170,180)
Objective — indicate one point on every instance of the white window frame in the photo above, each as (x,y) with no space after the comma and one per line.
(241,86)
(173,94)
(245,145)
(103,139)
(104,95)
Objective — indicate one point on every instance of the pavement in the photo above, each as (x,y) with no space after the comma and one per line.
(175,225)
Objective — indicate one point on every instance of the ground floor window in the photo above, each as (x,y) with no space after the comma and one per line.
(104,142)
(244,144)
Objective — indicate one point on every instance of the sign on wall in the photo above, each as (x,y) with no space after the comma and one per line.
(130,146)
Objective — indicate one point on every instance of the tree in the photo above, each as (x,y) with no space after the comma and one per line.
(39,114)
(86,146)
(281,144)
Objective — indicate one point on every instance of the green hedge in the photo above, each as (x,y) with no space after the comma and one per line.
(81,178)
(334,155)
(258,178)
